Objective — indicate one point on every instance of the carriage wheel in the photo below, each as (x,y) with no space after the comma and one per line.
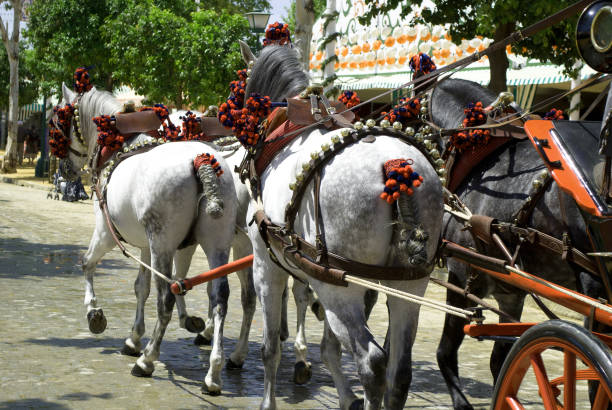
(574,359)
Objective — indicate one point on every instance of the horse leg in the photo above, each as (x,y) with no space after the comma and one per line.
(101,242)
(369,299)
(511,303)
(284,330)
(403,321)
(331,354)
(161,260)
(450,341)
(142,288)
(345,315)
(270,283)
(248,298)
(302,371)
(182,261)
(205,337)
(218,295)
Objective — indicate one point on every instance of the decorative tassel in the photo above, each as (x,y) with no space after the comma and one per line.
(82,82)
(349,99)
(108,136)
(406,111)
(421,64)
(58,142)
(277,33)
(474,116)
(399,177)
(554,114)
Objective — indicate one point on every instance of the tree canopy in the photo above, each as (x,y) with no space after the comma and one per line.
(496,20)
(179,52)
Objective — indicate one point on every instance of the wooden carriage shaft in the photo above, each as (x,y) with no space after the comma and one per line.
(530,283)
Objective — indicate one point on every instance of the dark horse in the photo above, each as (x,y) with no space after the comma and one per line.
(498,187)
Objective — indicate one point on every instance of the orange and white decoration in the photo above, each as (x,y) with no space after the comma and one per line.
(387,44)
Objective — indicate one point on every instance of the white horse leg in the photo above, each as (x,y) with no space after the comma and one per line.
(270,283)
(142,288)
(302,371)
(100,243)
(219,294)
(182,261)
(331,354)
(205,338)
(161,261)
(345,315)
(248,300)
(403,321)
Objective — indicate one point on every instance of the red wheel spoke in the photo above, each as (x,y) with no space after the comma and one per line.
(569,387)
(601,399)
(513,403)
(544,386)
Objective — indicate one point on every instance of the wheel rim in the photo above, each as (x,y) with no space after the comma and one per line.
(530,357)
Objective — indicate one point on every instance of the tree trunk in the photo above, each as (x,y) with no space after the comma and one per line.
(304,20)
(498,60)
(11,43)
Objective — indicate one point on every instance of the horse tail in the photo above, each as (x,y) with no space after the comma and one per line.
(412,238)
(208,171)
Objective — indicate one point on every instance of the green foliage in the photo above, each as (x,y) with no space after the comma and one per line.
(469,18)
(65,34)
(166,50)
(28,86)
(173,59)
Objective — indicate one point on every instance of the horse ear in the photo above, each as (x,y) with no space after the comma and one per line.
(247,54)
(67,93)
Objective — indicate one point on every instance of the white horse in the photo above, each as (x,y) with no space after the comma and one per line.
(241,246)
(358,225)
(155,204)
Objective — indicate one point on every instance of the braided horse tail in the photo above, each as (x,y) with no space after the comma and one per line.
(208,170)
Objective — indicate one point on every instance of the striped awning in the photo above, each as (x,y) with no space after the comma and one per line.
(531,74)
(27,110)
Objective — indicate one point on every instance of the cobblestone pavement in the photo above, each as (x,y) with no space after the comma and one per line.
(49,359)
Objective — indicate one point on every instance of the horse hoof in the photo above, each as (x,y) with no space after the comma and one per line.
(230,365)
(356,405)
(302,372)
(195,324)
(96,320)
(201,341)
(129,351)
(318,310)
(139,372)
(210,392)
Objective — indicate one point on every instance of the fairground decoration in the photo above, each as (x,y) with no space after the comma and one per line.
(58,137)
(191,129)
(554,114)
(244,118)
(474,116)
(208,159)
(349,99)
(406,111)
(108,136)
(399,177)
(421,64)
(82,83)
(277,33)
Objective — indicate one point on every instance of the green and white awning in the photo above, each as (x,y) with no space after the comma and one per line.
(531,74)
(27,110)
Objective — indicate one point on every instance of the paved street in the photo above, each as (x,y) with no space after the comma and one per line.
(49,359)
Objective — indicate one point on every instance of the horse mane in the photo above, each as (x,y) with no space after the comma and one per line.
(93,104)
(277,73)
(451,96)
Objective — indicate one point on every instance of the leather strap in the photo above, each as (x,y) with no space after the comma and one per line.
(137,122)
(550,243)
(524,213)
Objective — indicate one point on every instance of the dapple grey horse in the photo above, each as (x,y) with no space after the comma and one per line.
(154,202)
(359,226)
(498,187)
